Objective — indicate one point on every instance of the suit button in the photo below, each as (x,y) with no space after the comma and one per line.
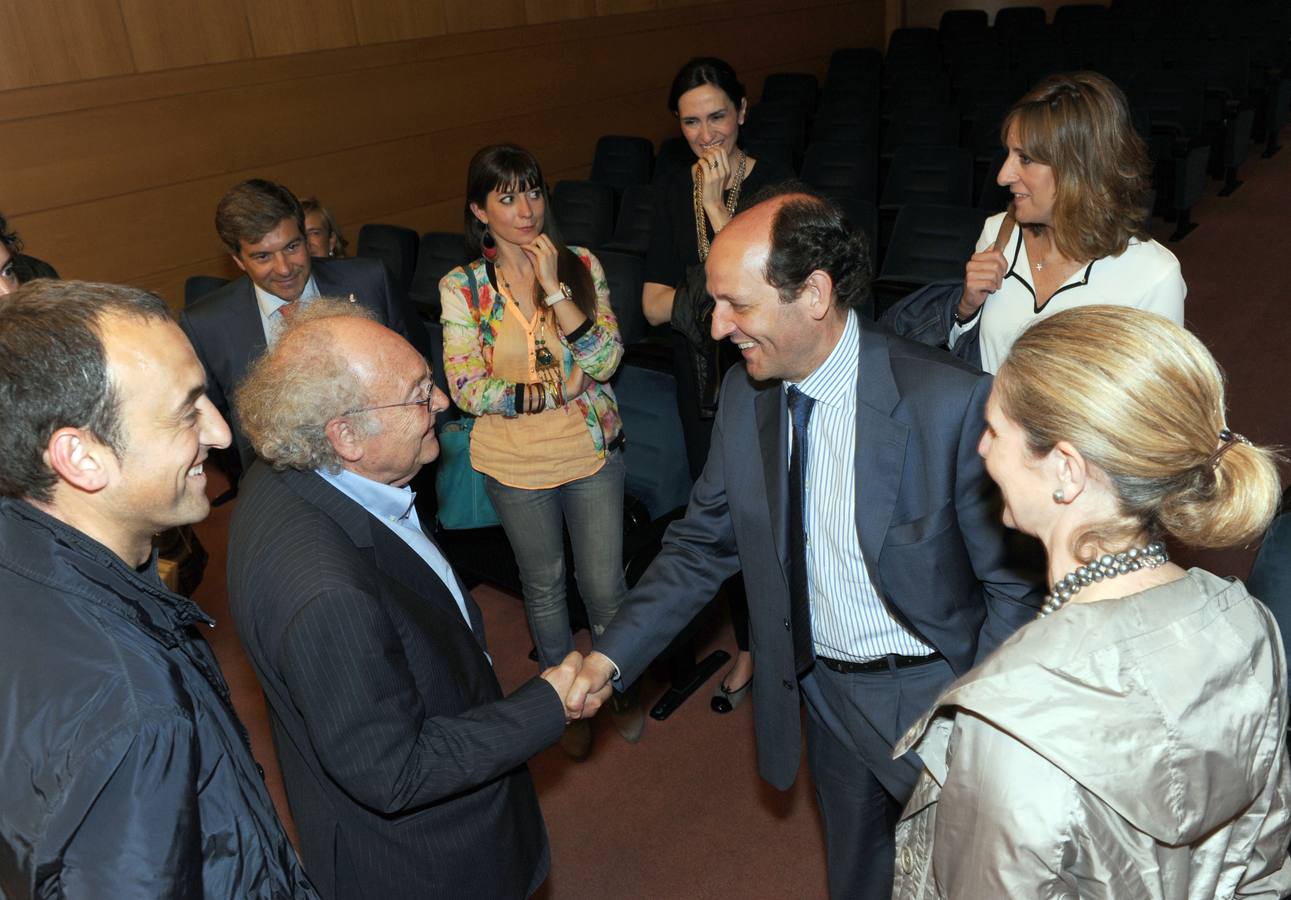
(787,684)
(787,627)
(907,860)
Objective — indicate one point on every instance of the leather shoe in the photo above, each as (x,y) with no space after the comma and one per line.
(628,717)
(725,701)
(577,740)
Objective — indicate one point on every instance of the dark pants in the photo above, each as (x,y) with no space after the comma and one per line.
(853,721)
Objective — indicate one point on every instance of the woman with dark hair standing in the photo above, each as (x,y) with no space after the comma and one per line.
(530,343)
(1131,741)
(691,206)
(1080,175)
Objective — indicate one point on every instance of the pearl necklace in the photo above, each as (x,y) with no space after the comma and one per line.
(1106,566)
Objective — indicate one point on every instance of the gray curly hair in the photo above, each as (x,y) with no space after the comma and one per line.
(294,390)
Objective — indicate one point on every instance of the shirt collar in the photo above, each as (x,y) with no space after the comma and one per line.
(834,380)
(270,304)
(385,501)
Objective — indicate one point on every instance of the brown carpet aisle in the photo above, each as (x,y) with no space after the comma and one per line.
(683,814)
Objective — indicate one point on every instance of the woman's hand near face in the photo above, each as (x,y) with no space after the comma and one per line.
(716,166)
(543,257)
(983,276)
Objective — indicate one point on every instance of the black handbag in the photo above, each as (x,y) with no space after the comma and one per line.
(692,318)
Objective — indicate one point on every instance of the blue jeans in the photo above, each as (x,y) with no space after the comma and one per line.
(592,509)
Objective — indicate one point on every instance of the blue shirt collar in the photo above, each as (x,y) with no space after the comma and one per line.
(385,501)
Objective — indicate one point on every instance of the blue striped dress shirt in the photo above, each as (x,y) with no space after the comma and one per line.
(849,619)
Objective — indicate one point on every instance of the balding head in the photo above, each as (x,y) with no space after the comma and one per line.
(341,391)
(308,378)
(794,250)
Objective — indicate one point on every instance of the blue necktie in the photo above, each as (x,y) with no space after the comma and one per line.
(799,600)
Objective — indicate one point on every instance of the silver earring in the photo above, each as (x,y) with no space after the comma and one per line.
(1059,496)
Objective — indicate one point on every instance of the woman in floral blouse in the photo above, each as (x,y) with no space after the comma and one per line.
(530,343)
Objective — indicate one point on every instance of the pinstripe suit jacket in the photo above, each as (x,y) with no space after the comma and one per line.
(927,520)
(404,764)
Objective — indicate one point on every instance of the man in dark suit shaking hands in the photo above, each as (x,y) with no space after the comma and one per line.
(404,764)
(844,480)
(263,226)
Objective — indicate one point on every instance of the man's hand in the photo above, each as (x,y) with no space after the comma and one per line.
(591,688)
(562,677)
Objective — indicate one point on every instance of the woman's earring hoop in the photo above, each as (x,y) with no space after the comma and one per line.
(488,246)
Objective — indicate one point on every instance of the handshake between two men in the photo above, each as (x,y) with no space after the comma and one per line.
(583,683)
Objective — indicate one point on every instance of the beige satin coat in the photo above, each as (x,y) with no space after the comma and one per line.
(1128,749)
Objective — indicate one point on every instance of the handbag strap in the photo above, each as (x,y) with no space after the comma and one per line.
(469,268)
(1006,231)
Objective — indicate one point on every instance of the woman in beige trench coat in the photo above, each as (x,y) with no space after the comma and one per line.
(1130,742)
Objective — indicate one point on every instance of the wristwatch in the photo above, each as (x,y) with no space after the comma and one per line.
(563,294)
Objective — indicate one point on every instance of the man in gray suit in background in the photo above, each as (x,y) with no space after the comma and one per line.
(844,481)
(403,762)
(263,226)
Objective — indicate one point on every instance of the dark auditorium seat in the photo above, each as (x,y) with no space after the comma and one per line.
(839,168)
(800,87)
(440,252)
(960,24)
(778,120)
(585,212)
(198,286)
(922,124)
(937,175)
(395,246)
(625,274)
(929,243)
(1012,21)
(621,161)
(1175,105)
(674,153)
(632,227)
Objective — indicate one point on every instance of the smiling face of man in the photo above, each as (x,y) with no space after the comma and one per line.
(168,426)
(278,263)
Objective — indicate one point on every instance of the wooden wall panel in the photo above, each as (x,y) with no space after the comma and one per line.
(300,26)
(538,11)
(398,20)
(463,16)
(61,40)
(168,34)
(125,189)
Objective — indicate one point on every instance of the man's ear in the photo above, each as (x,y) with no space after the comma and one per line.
(817,294)
(344,439)
(80,460)
(237,260)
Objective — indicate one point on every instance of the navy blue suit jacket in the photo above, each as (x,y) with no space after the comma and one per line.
(927,519)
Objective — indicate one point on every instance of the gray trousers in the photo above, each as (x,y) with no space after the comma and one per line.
(853,721)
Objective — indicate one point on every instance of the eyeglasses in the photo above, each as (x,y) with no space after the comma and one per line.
(425,401)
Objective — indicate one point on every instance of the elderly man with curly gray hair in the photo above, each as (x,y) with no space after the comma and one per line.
(404,763)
